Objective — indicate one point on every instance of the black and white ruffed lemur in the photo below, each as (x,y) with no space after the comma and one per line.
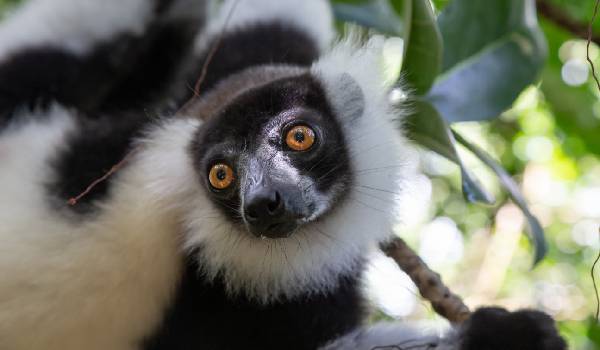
(242,220)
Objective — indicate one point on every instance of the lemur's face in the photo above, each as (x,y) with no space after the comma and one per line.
(310,158)
(276,159)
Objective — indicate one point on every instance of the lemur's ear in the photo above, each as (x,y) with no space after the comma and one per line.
(352,74)
(349,99)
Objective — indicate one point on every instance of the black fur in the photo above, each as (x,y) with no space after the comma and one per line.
(35,77)
(498,329)
(128,72)
(149,81)
(98,144)
(253,45)
(204,317)
(112,77)
(234,135)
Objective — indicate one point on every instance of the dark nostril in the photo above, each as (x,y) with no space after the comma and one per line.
(275,204)
(251,214)
(262,206)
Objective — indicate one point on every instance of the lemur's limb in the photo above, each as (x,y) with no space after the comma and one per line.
(487,328)
(93,55)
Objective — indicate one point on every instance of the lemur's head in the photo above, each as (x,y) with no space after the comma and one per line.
(294,173)
(276,158)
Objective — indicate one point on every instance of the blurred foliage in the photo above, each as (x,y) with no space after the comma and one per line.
(7,4)
(519,95)
(518,91)
(448,64)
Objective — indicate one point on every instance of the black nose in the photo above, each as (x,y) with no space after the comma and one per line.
(265,213)
(263,205)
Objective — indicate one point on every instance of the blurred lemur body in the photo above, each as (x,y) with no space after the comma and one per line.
(241,219)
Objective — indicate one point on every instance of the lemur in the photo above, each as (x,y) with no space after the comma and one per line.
(259,163)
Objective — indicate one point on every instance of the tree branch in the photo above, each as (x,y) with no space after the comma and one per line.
(429,283)
(558,16)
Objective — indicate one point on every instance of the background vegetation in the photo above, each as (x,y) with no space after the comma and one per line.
(521,91)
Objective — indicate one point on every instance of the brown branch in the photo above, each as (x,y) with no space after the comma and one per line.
(429,283)
(558,16)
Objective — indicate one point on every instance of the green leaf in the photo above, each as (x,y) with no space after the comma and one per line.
(426,127)
(536,232)
(573,107)
(593,331)
(423,42)
(493,50)
(377,14)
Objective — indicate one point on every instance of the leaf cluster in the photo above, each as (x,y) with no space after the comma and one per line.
(469,63)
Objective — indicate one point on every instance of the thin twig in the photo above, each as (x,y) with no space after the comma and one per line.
(558,16)
(589,42)
(209,57)
(213,50)
(74,200)
(429,283)
(592,272)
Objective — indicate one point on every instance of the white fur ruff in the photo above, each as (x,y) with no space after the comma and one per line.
(73,25)
(312,259)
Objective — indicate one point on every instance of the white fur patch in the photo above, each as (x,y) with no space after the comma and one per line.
(101,283)
(312,259)
(413,335)
(75,25)
(313,16)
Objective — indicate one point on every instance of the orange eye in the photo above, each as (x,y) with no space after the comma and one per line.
(300,138)
(220,176)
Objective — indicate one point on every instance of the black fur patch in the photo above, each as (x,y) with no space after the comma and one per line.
(125,73)
(237,133)
(98,145)
(149,80)
(253,45)
(498,329)
(204,317)
(34,77)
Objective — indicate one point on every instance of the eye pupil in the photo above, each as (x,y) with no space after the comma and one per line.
(221,174)
(299,136)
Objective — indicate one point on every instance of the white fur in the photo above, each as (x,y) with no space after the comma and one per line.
(390,336)
(313,16)
(101,283)
(312,259)
(74,25)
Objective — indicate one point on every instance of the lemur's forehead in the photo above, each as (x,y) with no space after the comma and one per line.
(260,109)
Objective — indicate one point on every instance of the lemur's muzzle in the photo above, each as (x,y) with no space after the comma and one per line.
(272,209)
